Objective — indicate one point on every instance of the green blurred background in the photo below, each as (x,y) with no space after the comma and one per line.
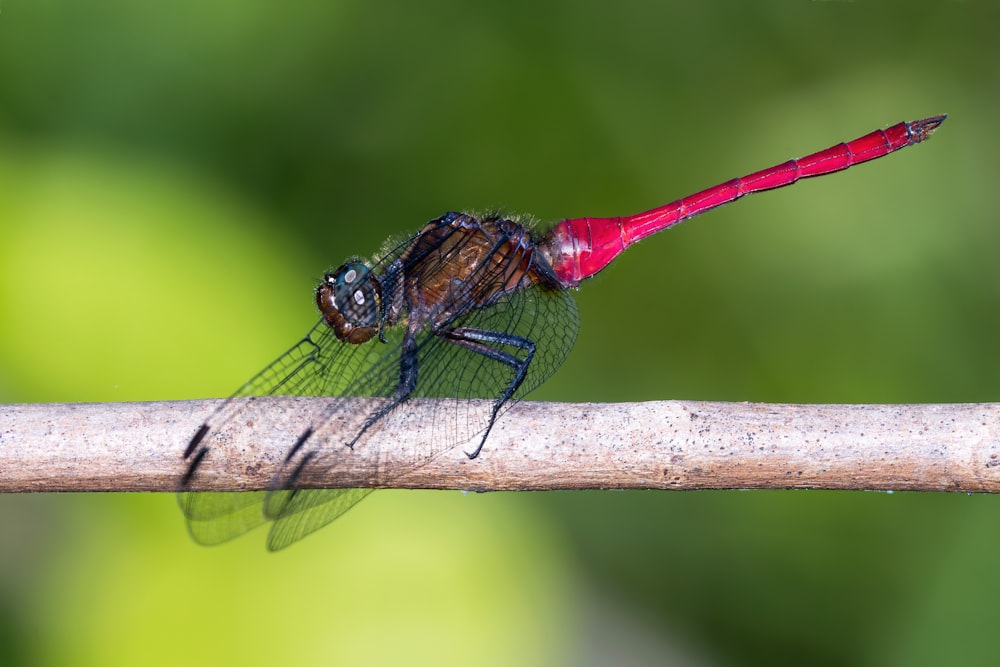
(175,177)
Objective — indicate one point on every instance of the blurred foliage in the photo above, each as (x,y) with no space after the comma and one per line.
(174,177)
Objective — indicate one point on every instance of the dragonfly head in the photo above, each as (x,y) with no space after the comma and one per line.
(349,299)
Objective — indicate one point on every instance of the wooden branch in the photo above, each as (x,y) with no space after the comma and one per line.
(656,445)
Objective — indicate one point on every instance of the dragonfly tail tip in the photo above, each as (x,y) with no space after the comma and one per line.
(924,128)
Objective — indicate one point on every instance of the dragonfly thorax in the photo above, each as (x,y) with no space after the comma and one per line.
(350,299)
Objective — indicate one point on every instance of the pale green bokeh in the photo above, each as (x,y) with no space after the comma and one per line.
(406,578)
(113,271)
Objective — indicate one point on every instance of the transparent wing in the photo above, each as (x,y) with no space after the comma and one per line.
(318,365)
(446,371)
(307,510)
(506,337)
(242,512)
(548,318)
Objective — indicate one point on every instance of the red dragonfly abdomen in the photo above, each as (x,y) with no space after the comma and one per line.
(581,247)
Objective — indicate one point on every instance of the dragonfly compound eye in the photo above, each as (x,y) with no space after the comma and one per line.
(349,299)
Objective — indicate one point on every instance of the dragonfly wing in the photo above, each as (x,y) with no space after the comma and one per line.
(299,512)
(539,319)
(229,515)
(307,510)
(448,372)
(546,317)
(318,365)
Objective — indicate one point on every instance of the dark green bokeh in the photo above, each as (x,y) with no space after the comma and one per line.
(174,177)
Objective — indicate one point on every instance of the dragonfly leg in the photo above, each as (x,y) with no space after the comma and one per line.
(407,383)
(484,342)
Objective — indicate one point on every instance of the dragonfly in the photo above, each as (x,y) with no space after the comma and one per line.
(468,307)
